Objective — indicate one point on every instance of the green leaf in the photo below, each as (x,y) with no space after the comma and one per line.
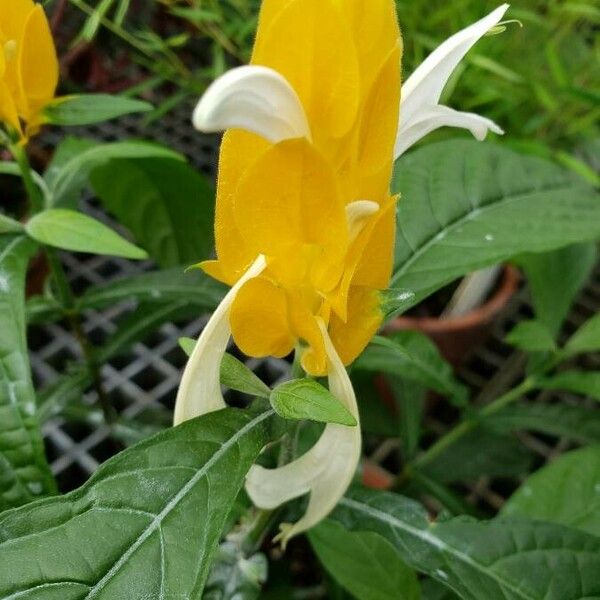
(412,355)
(560,420)
(503,559)
(531,336)
(71,230)
(86,109)
(586,338)
(158,287)
(24,472)
(434,590)
(306,399)
(234,373)
(555,279)
(135,326)
(146,525)
(237,376)
(187,345)
(364,563)
(467,205)
(482,451)
(586,383)
(70,177)
(173,212)
(566,491)
(8,225)
(68,149)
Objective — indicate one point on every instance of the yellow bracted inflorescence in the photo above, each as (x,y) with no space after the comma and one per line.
(28,67)
(317,207)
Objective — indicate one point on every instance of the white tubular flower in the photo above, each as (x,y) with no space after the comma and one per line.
(420,112)
(200,389)
(325,471)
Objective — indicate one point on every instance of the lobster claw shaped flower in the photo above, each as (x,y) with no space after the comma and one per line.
(28,66)
(305,224)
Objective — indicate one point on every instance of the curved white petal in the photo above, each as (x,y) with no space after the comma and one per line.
(325,471)
(433,117)
(253,98)
(200,389)
(422,90)
(426,84)
(357,214)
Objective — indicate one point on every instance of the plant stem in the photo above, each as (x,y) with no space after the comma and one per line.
(466,426)
(63,289)
(36,200)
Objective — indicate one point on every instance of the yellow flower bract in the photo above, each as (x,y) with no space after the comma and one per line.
(289,201)
(28,66)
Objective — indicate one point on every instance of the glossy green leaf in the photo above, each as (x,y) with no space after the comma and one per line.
(306,399)
(467,205)
(560,420)
(24,472)
(586,338)
(173,211)
(531,336)
(86,109)
(565,491)
(8,225)
(68,178)
(482,451)
(234,373)
(502,559)
(586,383)
(146,525)
(72,230)
(413,355)
(555,279)
(364,563)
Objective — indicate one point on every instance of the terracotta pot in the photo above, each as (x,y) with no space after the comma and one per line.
(375,477)
(457,337)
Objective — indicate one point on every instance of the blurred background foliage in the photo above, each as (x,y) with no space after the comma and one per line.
(539,78)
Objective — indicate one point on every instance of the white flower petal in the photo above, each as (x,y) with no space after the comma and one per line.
(422,90)
(433,117)
(200,389)
(426,84)
(253,98)
(357,214)
(325,471)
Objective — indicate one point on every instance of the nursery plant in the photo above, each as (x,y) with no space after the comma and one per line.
(326,225)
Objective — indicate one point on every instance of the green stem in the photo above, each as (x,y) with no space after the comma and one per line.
(467,426)
(34,194)
(63,289)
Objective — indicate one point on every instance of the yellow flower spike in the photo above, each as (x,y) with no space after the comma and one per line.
(29,77)
(303,185)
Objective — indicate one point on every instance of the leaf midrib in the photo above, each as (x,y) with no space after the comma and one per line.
(175,500)
(428,538)
(464,217)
